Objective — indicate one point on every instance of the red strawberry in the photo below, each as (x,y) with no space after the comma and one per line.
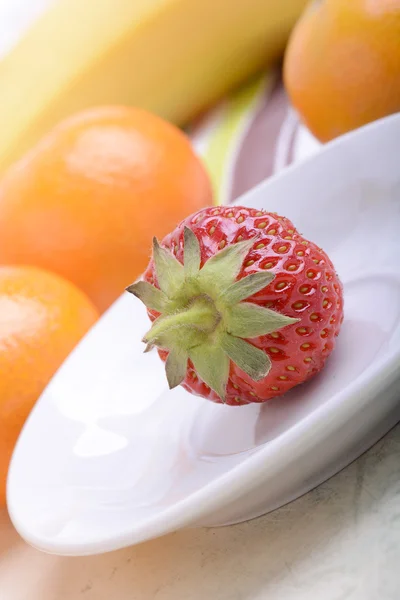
(243,307)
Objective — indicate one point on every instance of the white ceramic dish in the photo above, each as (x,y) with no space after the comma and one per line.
(110,458)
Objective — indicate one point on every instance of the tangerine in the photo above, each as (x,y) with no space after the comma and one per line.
(342,64)
(42,317)
(87,200)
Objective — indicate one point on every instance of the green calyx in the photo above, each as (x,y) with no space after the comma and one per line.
(204,316)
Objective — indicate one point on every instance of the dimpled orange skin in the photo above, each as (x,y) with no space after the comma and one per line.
(342,64)
(42,317)
(87,200)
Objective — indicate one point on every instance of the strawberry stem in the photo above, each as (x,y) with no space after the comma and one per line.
(188,327)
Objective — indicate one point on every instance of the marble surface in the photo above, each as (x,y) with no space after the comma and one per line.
(339,542)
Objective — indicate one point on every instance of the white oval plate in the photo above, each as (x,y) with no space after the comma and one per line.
(109,457)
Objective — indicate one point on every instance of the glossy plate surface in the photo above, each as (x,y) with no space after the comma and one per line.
(110,457)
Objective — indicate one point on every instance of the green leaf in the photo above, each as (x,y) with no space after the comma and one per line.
(175,367)
(169,271)
(191,253)
(151,296)
(212,366)
(247,357)
(223,268)
(248,320)
(247,286)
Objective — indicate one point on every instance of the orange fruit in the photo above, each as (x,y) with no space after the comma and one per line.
(87,200)
(42,317)
(342,64)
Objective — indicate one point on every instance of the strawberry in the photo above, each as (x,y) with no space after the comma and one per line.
(243,307)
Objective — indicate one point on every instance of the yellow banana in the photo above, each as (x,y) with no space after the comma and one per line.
(174,57)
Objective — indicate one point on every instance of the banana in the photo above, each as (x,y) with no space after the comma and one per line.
(173,57)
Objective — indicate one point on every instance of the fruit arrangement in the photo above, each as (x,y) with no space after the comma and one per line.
(243,307)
